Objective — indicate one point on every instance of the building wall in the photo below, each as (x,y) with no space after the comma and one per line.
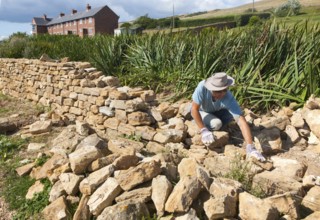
(41,30)
(103,22)
(106,21)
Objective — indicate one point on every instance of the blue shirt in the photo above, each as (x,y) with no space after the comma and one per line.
(203,97)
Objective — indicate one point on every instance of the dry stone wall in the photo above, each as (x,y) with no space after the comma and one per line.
(112,177)
(77,91)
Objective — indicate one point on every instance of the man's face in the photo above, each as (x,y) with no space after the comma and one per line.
(217,95)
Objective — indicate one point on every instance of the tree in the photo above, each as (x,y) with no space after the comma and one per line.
(145,22)
(292,7)
(126,25)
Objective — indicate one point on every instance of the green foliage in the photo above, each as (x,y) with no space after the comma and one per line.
(258,192)
(239,171)
(132,137)
(273,63)
(30,207)
(290,8)
(244,19)
(14,46)
(254,20)
(42,109)
(126,25)
(41,160)
(154,217)
(145,22)
(8,145)
(15,190)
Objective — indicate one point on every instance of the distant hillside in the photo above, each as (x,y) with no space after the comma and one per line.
(261,5)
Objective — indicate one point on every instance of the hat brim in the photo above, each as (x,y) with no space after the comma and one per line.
(211,87)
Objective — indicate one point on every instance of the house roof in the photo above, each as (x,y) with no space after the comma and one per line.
(77,16)
(41,21)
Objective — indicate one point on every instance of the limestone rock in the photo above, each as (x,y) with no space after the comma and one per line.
(104,196)
(40,127)
(92,182)
(57,210)
(263,210)
(183,194)
(139,174)
(161,189)
(125,210)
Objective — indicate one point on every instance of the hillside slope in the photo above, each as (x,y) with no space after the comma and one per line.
(258,5)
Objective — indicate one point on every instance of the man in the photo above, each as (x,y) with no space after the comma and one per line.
(213,106)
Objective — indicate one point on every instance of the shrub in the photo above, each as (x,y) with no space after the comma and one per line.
(254,20)
(292,7)
(244,19)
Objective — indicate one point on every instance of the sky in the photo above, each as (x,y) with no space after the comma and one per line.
(16,15)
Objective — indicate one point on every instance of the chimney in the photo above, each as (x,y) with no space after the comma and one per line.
(88,7)
(74,11)
(44,16)
(61,14)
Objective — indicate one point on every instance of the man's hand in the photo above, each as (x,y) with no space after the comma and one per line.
(252,152)
(207,136)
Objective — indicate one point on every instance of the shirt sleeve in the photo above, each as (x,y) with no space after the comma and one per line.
(233,106)
(198,95)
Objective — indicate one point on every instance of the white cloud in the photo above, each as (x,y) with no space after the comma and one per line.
(3,37)
(22,11)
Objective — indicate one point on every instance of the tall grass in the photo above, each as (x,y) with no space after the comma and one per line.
(273,63)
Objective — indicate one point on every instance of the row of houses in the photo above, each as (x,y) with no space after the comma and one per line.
(92,21)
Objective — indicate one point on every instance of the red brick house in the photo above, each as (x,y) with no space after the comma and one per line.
(90,22)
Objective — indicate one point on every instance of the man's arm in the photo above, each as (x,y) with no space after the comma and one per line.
(196,115)
(206,135)
(246,133)
(245,130)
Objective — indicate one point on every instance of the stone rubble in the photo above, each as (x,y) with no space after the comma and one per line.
(126,155)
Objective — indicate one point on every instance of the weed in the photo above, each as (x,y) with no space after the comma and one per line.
(132,137)
(258,192)
(13,189)
(42,109)
(8,145)
(33,207)
(4,97)
(41,160)
(240,172)
(154,217)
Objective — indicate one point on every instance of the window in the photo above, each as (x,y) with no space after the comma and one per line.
(74,23)
(90,20)
(80,21)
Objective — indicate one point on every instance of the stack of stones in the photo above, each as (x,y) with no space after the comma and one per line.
(124,154)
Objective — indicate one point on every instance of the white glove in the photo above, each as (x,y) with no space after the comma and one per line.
(252,152)
(207,136)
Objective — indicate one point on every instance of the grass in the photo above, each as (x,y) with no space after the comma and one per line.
(9,145)
(13,188)
(241,172)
